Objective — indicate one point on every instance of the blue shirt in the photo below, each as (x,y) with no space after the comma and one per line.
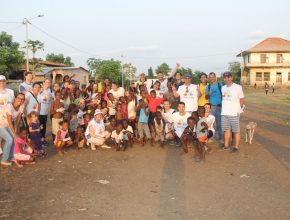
(215,97)
(142,117)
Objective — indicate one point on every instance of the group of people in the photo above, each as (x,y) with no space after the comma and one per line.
(169,110)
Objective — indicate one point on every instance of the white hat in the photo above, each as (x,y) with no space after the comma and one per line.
(2,77)
(98,111)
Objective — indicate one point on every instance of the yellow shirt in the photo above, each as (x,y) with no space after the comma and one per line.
(202,100)
(100,87)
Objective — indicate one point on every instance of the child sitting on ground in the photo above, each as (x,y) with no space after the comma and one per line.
(23,154)
(80,139)
(117,137)
(62,139)
(128,133)
(35,135)
(188,135)
(112,126)
(159,128)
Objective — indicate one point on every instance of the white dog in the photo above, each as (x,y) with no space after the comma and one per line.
(250,130)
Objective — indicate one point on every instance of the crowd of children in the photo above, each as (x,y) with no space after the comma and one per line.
(104,115)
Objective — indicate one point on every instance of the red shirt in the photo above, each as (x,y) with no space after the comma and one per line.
(153,103)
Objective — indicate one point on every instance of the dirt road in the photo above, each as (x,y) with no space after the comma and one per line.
(153,183)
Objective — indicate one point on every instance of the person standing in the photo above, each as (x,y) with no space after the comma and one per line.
(188,94)
(202,87)
(117,91)
(26,86)
(44,98)
(266,88)
(31,101)
(214,95)
(273,87)
(232,101)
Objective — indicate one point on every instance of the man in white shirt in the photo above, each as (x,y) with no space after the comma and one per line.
(26,86)
(188,94)
(179,119)
(232,102)
(117,91)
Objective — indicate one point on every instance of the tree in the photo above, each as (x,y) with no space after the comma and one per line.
(111,69)
(150,73)
(235,69)
(34,46)
(10,55)
(163,68)
(59,58)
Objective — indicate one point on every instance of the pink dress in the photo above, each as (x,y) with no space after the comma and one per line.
(62,136)
(21,143)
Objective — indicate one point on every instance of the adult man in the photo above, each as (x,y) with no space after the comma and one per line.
(163,81)
(95,132)
(214,95)
(117,91)
(26,86)
(188,94)
(202,87)
(179,119)
(232,102)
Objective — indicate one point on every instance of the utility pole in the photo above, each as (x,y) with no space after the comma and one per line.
(25,22)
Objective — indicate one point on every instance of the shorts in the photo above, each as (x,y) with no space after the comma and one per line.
(230,123)
(22,157)
(159,136)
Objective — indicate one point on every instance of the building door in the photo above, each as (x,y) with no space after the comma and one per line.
(278,77)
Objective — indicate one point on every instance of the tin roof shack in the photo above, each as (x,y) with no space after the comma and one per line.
(81,74)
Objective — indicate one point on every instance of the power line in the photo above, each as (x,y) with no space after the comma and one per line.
(10,22)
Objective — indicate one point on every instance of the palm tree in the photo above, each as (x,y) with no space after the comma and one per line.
(35,45)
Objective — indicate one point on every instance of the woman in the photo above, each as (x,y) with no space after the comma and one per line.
(144,81)
(31,101)
(9,122)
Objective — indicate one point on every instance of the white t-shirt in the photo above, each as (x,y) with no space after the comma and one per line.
(117,94)
(210,121)
(129,128)
(179,122)
(25,87)
(131,108)
(117,137)
(159,94)
(99,128)
(45,99)
(167,115)
(163,86)
(189,95)
(6,96)
(10,110)
(231,96)
(32,103)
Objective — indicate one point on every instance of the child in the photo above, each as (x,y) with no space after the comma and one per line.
(201,134)
(143,122)
(123,101)
(131,109)
(159,128)
(128,133)
(86,119)
(210,120)
(112,126)
(56,113)
(188,134)
(117,137)
(120,116)
(35,135)
(62,139)
(111,105)
(80,139)
(73,120)
(23,154)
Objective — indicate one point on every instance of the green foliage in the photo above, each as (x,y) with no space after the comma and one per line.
(111,69)
(163,68)
(35,45)
(235,69)
(10,55)
(150,73)
(59,58)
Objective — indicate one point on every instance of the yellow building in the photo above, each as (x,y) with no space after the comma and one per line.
(268,61)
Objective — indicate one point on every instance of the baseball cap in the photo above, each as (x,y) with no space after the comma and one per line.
(227,74)
(98,111)
(2,77)
(187,75)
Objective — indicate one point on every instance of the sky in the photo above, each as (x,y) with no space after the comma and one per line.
(202,35)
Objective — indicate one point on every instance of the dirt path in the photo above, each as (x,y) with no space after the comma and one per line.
(154,183)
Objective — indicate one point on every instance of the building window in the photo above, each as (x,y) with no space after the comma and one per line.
(263,58)
(259,76)
(288,76)
(267,76)
(249,58)
(279,58)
